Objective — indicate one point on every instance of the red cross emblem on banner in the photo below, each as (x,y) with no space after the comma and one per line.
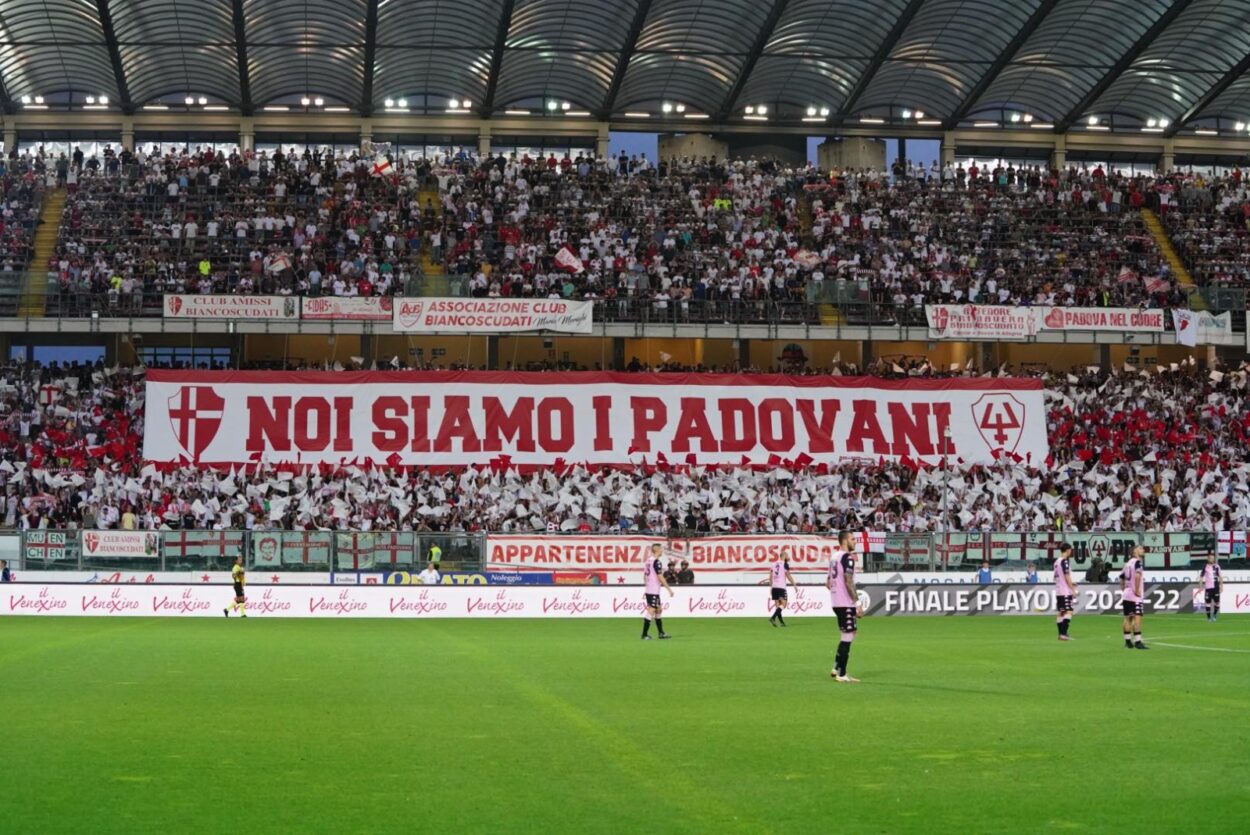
(195,413)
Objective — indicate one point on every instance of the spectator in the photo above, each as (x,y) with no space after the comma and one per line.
(685,576)
(6,576)
(1030,574)
(430,576)
(984,575)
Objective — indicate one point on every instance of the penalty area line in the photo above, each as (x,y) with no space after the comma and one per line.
(1203,649)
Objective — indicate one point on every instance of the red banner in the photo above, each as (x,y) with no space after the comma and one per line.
(451,418)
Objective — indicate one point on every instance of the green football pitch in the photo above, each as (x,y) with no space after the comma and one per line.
(975,724)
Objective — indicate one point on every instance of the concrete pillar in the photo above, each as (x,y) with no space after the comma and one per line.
(602,141)
(492,353)
(366,141)
(744,352)
(1167,159)
(902,149)
(948,148)
(247,135)
(851,152)
(128,133)
(618,353)
(1104,357)
(1059,156)
(10,138)
(865,355)
(483,140)
(695,145)
(987,360)
(368,349)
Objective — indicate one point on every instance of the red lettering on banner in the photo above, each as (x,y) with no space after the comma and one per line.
(602,405)
(782,440)
(268,430)
(562,409)
(733,410)
(515,427)
(693,424)
(391,432)
(864,426)
(819,433)
(421,423)
(650,415)
(910,428)
(457,424)
(312,424)
(942,411)
(342,424)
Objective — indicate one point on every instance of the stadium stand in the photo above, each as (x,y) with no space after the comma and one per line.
(686,240)
(1166,451)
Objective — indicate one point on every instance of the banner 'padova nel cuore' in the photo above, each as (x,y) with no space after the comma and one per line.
(451,418)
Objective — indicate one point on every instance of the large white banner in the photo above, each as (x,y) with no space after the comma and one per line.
(980,321)
(473,601)
(453,418)
(466,315)
(1118,319)
(186,306)
(356,308)
(121,545)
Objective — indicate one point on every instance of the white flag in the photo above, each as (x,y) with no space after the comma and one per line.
(1186,324)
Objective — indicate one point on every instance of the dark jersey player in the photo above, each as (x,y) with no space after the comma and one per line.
(653,580)
(1211,581)
(1133,591)
(1065,592)
(238,577)
(845,600)
(779,574)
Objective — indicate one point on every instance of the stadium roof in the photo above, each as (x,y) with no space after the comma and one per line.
(1138,65)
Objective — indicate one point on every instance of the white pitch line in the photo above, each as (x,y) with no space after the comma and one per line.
(1198,635)
(1204,649)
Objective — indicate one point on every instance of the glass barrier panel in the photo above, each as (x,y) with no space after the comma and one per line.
(50,550)
(202,550)
(375,551)
(292,550)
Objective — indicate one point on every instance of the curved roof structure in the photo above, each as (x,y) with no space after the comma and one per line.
(1160,65)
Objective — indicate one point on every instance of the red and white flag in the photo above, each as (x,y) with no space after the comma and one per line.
(566,259)
(1157,285)
(382,166)
(1186,324)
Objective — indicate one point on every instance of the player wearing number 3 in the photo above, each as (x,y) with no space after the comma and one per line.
(1065,592)
(1132,588)
(841,585)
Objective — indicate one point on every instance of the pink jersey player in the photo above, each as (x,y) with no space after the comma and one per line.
(841,566)
(1063,569)
(780,567)
(1131,572)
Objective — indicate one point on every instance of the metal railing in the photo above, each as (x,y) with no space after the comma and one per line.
(379,551)
(851,300)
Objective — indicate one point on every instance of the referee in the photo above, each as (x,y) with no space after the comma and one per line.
(237,575)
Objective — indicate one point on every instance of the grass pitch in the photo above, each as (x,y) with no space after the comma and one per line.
(977,724)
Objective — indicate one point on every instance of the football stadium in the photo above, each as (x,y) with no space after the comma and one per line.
(599,416)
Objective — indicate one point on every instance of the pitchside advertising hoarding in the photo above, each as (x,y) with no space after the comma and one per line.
(481,601)
(458,418)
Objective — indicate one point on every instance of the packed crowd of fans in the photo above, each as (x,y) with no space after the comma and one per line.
(142,225)
(679,239)
(1167,449)
(21,193)
(1208,219)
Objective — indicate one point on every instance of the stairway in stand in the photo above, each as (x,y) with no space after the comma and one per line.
(35,283)
(1179,271)
(434,271)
